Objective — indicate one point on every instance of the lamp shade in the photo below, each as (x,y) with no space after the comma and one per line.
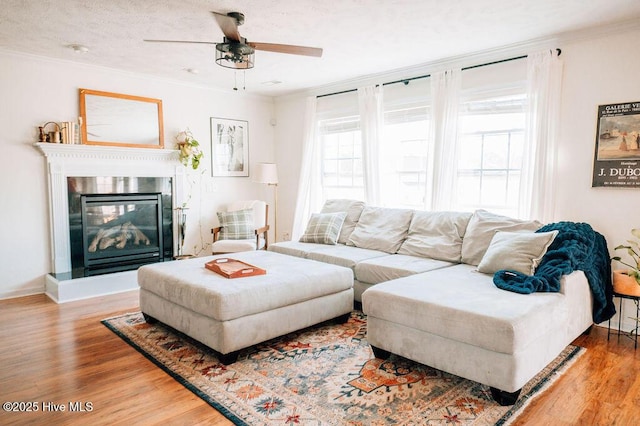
(266,173)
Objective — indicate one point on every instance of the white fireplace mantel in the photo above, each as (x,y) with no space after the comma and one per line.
(97,152)
(88,160)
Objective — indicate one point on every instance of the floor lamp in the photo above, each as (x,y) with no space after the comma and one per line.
(267,173)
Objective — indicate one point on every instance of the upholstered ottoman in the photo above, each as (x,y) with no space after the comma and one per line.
(231,314)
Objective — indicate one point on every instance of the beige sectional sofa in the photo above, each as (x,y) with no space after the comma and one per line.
(417,276)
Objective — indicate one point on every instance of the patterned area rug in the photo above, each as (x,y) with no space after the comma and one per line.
(325,375)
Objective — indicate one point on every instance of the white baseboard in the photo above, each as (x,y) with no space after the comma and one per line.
(61,291)
(22,292)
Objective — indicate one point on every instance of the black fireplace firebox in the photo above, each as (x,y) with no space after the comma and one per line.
(119,223)
(121,229)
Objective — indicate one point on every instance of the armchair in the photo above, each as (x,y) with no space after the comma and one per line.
(243,227)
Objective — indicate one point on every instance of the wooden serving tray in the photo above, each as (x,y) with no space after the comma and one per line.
(233,268)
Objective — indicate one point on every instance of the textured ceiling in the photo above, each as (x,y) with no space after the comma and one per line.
(359,37)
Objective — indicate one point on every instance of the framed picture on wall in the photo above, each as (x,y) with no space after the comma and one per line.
(229,147)
(617,156)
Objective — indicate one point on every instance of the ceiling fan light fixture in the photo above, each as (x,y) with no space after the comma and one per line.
(234,61)
(235,55)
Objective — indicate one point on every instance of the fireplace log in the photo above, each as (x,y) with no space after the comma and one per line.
(118,236)
(138,236)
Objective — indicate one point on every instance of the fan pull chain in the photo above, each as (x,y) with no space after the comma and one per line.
(235,80)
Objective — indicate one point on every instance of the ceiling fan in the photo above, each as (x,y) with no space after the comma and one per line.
(238,53)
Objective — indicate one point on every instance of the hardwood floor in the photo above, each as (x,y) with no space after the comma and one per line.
(61,354)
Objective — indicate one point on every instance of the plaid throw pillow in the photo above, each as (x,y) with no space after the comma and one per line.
(323,228)
(236,225)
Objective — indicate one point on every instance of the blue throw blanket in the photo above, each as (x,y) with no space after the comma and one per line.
(576,247)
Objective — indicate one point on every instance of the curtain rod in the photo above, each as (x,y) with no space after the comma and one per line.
(407,80)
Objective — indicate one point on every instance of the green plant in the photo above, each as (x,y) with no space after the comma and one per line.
(190,152)
(633,250)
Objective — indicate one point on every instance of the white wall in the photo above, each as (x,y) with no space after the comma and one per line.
(289,132)
(35,90)
(598,69)
(596,72)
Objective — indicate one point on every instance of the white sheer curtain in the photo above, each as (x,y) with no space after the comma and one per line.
(371,126)
(309,198)
(445,95)
(544,82)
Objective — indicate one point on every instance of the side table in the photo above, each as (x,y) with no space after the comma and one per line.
(633,333)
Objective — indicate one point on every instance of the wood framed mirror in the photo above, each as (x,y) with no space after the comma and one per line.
(114,119)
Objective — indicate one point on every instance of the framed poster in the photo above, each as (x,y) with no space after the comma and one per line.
(617,157)
(229,147)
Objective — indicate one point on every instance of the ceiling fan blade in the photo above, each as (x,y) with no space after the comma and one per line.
(287,48)
(181,41)
(228,25)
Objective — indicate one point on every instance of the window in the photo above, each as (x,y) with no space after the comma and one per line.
(404,157)
(341,151)
(404,147)
(490,147)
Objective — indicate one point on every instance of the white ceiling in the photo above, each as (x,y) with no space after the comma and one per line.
(359,37)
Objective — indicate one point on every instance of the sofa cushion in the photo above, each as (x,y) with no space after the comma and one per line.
(342,255)
(381,228)
(462,304)
(436,235)
(385,268)
(236,225)
(353,208)
(323,228)
(295,248)
(481,228)
(516,251)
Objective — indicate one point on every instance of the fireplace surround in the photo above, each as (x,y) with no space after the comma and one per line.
(82,163)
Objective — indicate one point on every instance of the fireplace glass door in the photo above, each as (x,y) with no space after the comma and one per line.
(121,229)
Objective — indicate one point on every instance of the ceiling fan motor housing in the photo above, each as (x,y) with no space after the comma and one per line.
(239,17)
(236,47)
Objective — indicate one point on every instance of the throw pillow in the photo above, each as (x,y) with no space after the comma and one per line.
(353,208)
(436,235)
(516,251)
(381,228)
(323,228)
(480,230)
(236,225)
